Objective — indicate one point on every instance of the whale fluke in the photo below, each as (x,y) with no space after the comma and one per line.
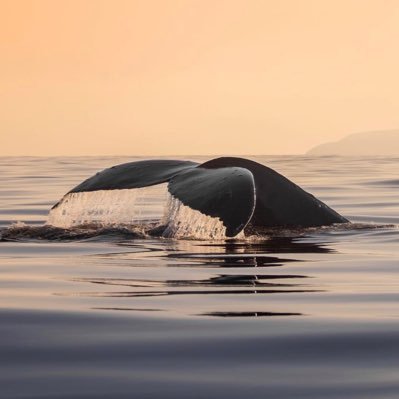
(239,193)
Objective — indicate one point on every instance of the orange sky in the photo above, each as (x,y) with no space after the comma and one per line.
(159,77)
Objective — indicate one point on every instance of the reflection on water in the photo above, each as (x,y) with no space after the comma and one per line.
(249,314)
(234,268)
(271,245)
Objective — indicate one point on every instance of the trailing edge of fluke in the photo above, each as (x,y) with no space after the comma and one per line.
(240,192)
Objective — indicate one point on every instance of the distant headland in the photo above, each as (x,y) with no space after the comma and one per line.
(384,142)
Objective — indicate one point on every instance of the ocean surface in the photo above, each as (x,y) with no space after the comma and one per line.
(113,314)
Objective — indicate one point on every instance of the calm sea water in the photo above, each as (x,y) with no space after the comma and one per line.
(310,314)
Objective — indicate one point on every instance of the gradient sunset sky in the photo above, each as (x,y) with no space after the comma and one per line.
(163,77)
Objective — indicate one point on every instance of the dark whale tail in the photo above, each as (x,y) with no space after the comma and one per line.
(237,191)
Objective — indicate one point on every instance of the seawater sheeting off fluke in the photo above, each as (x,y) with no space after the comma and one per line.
(183,222)
(130,207)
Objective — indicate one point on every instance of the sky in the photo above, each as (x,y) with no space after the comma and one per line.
(170,77)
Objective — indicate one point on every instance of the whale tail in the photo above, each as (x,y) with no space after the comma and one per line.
(235,191)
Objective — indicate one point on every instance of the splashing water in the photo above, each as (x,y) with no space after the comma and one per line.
(138,206)
(184,222)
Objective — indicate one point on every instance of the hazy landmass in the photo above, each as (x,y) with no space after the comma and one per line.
(367,143)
